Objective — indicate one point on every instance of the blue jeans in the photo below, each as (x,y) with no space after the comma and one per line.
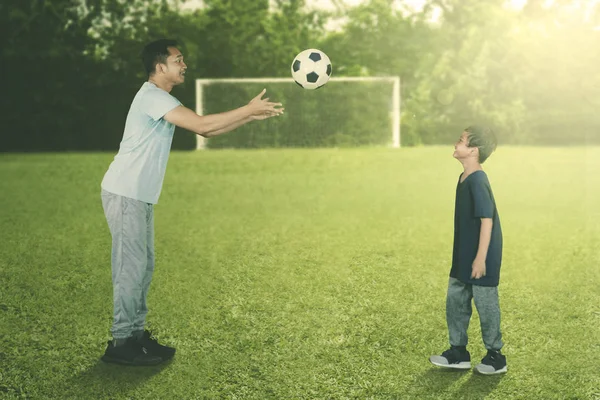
(131,224)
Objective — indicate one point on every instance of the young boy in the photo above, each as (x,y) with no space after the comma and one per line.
(476,258)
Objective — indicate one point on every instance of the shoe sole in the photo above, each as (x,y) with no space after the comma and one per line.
(163,356)
(461,366)
(500,371)
(120,361)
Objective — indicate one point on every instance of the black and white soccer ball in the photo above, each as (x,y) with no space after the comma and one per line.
(311,69)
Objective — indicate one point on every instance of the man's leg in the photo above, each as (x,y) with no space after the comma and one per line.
(140,319)
(127,222)
(127,226)
(143,336)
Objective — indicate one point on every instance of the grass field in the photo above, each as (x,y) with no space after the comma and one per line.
(301,274)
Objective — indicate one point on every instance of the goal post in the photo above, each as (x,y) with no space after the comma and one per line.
(201,142)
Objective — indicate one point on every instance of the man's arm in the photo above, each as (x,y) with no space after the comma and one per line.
(485,236)
(207,125)
(231,127)
(245,121)
(216,124)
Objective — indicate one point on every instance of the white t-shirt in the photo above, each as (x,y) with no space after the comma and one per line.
(138,169)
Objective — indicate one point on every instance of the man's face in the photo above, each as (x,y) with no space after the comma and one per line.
(175,67)
(461,148)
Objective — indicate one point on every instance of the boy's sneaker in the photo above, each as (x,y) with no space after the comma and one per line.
(153,347)
(130,353)
(455,357)
(493,363)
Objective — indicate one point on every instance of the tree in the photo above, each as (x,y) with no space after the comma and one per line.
(517,70)
(42,53)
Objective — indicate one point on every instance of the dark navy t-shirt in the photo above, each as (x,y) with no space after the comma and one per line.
(475,200)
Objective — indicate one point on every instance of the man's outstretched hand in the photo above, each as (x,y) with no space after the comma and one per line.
(262,108)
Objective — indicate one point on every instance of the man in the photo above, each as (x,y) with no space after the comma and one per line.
(132,186)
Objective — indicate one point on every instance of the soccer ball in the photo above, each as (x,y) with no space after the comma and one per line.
(311,69)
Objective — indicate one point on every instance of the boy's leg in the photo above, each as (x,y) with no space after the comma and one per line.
(127,222)
(458,315)
(458,312)
(488,308)
(140,319)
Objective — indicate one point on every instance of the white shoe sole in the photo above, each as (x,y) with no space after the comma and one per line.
(464,365)
(500,371)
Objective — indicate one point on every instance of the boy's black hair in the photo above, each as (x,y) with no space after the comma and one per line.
(484,139)
(155,53)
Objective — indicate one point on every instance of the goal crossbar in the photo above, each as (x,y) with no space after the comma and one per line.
(395,80)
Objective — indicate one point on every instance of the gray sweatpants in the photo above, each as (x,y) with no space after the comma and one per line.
(131,224)
(459,310)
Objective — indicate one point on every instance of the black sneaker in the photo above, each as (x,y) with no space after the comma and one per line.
(455,357)
(130,353)
(150,343)
(493,363)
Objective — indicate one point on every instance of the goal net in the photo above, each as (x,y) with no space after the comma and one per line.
(348,111)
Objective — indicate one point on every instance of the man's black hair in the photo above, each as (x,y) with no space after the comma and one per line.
(155,53)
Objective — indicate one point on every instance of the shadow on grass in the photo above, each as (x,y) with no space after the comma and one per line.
(439,379)
(480,386)
(103,380)
(465,384)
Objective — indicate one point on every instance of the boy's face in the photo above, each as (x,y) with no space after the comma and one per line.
(461,149)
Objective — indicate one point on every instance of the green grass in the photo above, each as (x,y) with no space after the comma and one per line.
(301,274)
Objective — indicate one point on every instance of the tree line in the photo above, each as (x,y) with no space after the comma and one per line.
(72,67)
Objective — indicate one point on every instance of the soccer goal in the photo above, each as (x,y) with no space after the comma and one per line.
(355,110)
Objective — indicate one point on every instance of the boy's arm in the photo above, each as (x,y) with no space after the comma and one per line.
(485,236)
